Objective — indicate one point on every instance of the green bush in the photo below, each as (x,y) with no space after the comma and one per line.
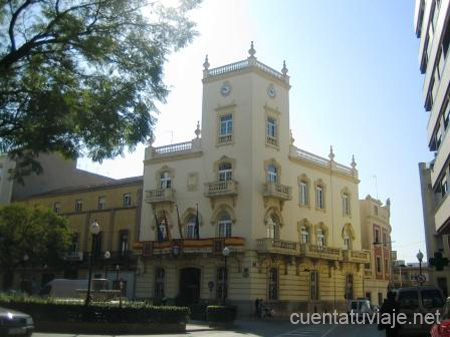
(220,313)
(198,311)
(48,309)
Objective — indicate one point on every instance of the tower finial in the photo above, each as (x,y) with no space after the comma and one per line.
(206,64)
(353,163)
(331,155)
(252,50)
(284,70)
(197,131)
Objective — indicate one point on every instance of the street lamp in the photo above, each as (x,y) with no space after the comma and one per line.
(225,253)
(25,259)
(420,258)
(119,285)
(107,257)
(94,229)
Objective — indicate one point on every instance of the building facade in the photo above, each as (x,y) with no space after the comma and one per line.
(407,274)
(432,27)
(289,218)
(116,207)
(376,237)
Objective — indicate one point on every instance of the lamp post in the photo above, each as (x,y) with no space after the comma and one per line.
(107,257)
(25,259)
(225,253)
(119,284)
(94,229)
(420,258)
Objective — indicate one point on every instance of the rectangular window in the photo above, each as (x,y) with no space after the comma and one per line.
(375,210)
(346,204)
(273,284)
(74,243)
(79,206)
(165,181)
(127,200)
(444,185)
(384,239)
(226,129)
(377,236)
(57,207)
(303,193)
(320,238)
(386,266)
(272,133)
(379,265)
(319,197)
(159,282)
(123,243)
(446,113)
(102,202)
(314,285)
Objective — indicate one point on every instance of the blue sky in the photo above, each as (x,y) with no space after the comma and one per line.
(355,82)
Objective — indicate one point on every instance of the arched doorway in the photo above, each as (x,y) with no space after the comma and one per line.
(189,286)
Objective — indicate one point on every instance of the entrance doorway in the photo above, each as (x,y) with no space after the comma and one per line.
(189,286)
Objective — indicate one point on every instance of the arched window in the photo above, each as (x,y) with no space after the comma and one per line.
(347,240)
(303,196)
(272,175)
(304,234)
(320,237)
(159,282)
(273,284)
(162,231)
(319,197)
(273,228)
(190,228)
(225,172)
(165,181)
(225,225)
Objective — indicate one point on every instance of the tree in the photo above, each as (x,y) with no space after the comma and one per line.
(83,76)
(39,233)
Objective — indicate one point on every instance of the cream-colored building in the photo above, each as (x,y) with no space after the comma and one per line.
(376,237)
(290,218)
(432,27)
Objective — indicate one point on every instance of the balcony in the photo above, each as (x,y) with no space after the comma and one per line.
(323,252)
(160,196)
(356,256)
(269,245)
(177,247)
(221,188)
(277,190)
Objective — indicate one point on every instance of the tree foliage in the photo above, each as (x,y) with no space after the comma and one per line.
(39,233)
(83,76)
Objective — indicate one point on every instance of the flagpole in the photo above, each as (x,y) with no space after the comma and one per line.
(169,234)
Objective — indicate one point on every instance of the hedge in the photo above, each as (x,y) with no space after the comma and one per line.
(220,313)
(75,311)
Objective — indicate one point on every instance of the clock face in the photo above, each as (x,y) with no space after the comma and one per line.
(225,89)
(271,91)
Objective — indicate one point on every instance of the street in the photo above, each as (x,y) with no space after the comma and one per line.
(265,328)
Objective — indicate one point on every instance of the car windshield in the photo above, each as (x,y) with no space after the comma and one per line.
(408,299)
(354,305)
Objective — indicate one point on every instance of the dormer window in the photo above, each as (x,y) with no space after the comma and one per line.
(165,181)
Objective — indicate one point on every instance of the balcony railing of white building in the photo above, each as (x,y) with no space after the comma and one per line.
(160,195)
(240,66)
(303,155)
(184,148)
(221,188)
(277,190)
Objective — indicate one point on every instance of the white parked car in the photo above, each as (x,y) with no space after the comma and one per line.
(15,323)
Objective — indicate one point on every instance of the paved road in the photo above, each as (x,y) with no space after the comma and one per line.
(265,329)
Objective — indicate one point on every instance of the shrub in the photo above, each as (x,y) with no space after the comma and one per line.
(198,311)
(220,313)
(49,309)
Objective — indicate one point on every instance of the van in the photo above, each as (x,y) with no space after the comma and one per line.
(420,299)
(67,288)
(360,307)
